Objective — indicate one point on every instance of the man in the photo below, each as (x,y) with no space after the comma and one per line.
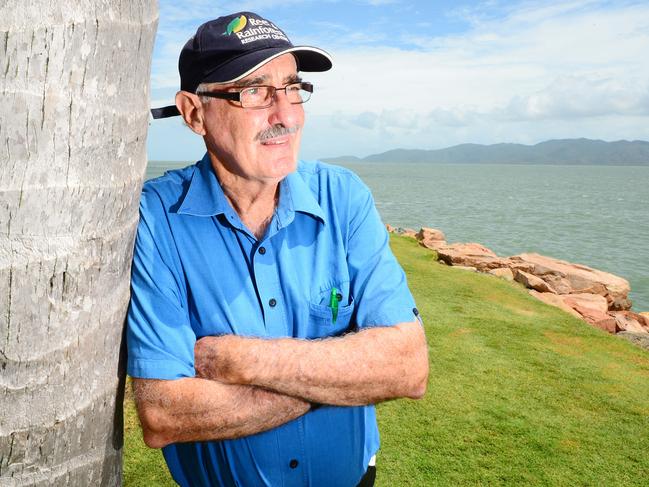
(241,262)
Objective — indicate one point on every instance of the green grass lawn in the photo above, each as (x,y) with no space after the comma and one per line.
(519,393)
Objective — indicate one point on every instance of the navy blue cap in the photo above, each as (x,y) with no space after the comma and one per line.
(229,48)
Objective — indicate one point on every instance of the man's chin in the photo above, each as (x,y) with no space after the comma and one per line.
(285,166)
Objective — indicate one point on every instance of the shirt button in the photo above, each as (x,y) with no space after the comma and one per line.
(272,302)
(262,250)
(293,463)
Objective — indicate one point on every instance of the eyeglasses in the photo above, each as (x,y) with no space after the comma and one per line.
(264,96)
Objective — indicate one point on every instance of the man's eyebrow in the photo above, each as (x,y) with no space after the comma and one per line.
(257,80)
(292,78)
(261,80)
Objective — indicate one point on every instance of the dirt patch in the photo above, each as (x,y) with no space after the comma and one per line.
(461,331)
(564,344)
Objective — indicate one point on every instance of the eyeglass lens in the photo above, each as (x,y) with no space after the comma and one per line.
(259,96)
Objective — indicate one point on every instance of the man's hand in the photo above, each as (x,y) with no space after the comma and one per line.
(193,409)
(372,365)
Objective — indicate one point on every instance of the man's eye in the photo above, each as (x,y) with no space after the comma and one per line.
(252,91)
(294,87)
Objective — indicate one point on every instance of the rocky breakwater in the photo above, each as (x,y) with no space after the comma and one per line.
(597,297)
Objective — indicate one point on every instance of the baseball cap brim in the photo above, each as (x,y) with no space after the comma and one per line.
(309,59)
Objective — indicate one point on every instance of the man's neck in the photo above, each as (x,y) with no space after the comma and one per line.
(254,201)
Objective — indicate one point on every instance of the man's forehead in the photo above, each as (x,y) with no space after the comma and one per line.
(285,63)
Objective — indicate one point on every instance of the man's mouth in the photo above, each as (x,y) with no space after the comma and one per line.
(276,141)
(276,135)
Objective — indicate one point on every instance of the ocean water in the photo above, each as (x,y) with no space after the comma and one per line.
(592,215)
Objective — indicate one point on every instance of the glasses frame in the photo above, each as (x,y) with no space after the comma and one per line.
(236,95)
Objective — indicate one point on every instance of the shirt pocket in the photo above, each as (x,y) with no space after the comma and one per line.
(321,315)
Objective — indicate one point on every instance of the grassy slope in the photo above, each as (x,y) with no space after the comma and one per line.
(519,393)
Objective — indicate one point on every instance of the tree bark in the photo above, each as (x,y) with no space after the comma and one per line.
(74,102)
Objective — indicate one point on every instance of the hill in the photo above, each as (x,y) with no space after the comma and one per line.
(557,152)
(519,393)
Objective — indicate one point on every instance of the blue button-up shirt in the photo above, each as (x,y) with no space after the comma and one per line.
(198,271)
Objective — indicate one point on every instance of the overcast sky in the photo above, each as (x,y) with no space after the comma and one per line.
(431,74)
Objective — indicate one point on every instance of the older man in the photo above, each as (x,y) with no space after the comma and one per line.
(268,314)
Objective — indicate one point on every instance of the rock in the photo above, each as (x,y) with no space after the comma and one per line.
(541,271)
(645,316)
(600,320)
(640,339)
(628,321)
(431,238)
(521,266)
(607,324)
(406,232)
(620,303)
(580,279)
(561,285)
(503,272)
(471,255)
(554,300)
(591,301)
(593,309)
(530,281)
(465,268)
(430,233)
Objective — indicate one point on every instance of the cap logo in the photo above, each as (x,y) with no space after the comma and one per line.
(237,24)
(249,30)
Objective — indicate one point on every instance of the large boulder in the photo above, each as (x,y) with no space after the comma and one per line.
(530,281)
(629,321)
(503,272)
(431,238)
(470,255)
(645,316)
(593,309)
(567,278)
(584,300)
(559,283)
(554,300)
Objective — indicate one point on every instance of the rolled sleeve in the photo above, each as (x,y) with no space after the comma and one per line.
(379,284)
(159,336)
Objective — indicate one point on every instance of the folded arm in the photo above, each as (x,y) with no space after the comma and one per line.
(194,409)
(366,367)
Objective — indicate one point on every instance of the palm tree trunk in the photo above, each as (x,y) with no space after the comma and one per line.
(74,102)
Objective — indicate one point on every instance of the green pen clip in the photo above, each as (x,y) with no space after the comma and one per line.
(333,304)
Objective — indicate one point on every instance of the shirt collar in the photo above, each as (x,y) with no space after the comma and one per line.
(205,196)
(296,196)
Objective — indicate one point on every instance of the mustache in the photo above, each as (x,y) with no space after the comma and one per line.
(276,130)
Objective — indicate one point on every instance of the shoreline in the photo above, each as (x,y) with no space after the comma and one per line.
(599,298)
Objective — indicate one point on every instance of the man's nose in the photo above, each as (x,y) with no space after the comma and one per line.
(283,111)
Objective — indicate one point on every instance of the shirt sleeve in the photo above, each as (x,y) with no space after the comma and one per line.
(378,282)
(159,336)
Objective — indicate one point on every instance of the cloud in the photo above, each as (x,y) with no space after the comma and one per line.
(568,63)
(574,97)
(376,3)
(516,71)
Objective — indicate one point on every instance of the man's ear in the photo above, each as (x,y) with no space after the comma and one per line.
(191,110)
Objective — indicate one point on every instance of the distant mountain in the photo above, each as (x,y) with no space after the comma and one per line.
(559,152)
(336,160)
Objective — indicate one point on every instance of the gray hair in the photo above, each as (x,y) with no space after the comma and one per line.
(203,87)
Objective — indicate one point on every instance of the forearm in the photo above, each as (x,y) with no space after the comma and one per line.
(195,409)
(359,368)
